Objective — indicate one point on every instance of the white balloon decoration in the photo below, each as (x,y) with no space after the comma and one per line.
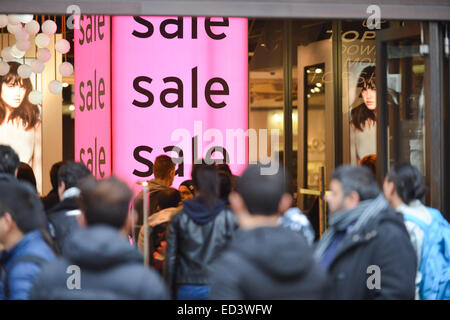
(55,86)
(14,28)
(35,97)
(49,27)
(62,46)
(4,68)
(6,54)
(66,69)
(37,66)
(13,18)
(3,20)
(43,54)
(23,45)
(42,40)
(16,53)
(32,27)
(22,35)
(25,18)
(24,71)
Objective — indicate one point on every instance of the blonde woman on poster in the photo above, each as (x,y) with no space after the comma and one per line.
(363,126)
(20,124)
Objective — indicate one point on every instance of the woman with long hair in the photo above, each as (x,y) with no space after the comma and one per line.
(363,128)
(20,124)
(197,235)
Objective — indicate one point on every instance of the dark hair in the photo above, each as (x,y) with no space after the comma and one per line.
(206,182)
(54,174)
(224,185)
(71,173)
(357,179)
(28,112)
(408,181)
(224,167)
(370,161)
(9,160)
(361,113)
(262,193)
(25,173)
(163,166)
(20,200)
(168,198)
(188,184)
(105,201)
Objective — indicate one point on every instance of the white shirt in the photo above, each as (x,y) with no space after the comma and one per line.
(363,143)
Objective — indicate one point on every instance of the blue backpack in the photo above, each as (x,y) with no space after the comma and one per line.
(435,262)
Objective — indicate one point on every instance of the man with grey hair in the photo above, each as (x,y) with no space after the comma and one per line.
(366,248)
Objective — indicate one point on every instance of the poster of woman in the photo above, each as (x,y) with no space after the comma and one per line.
(20,120)
(363,132)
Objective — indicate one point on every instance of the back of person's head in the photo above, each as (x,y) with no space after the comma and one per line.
(54,174)
(224,185)
(25,173)
(105,201)
(20,200)
(206,182)
(71,173)
(408,181)
(9,160)
(169,198)
(357,179)
(262,193)
(163,167)
(224,167)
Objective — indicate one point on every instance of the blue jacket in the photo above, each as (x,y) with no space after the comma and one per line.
(22,275)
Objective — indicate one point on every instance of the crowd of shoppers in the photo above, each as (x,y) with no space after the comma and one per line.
(218,236)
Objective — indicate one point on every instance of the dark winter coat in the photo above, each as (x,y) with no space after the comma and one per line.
(197,235)
(268,263)
(109,268)
(383,242)
(50,200)
(63,221)
(21,275)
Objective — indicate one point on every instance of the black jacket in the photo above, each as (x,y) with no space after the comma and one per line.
(268,263)
(196,237)
(63,221)
(383,242)
(50,200)
(109,268)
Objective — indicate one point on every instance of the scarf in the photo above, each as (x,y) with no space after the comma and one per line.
(358,216)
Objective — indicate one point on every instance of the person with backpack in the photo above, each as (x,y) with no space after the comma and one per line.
(25,251)
(429,232)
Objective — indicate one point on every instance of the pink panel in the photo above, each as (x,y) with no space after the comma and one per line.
(93,94)
(147,63)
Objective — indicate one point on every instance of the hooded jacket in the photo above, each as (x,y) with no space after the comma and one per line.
(154,188)
(197,235)
(106,265)
(62,220)
(268,263)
